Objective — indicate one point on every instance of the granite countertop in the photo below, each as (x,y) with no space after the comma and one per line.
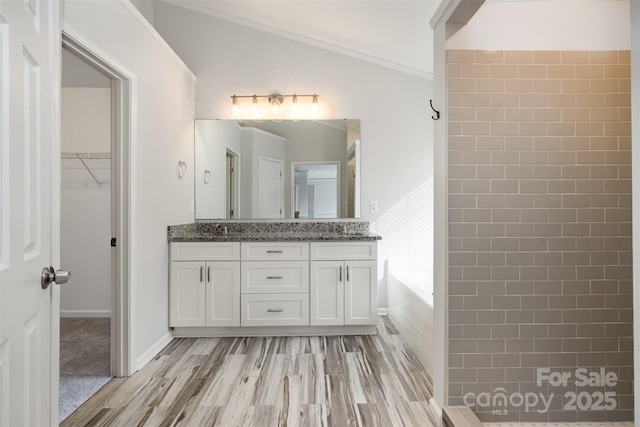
(271,231)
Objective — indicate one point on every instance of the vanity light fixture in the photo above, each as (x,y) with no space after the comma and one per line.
(276,101)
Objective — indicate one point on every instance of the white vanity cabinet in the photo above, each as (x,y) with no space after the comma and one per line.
(250,288)
(275,284)
(343,283)
(204,284)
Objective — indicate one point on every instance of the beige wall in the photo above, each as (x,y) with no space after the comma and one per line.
(539,227)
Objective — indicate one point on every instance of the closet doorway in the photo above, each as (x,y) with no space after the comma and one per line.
(86,230)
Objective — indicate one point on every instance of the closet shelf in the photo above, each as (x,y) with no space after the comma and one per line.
(88,161)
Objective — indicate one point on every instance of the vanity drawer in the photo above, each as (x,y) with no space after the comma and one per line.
(272,277)
(205,251)
(275,309)
(343,251)
(285,251)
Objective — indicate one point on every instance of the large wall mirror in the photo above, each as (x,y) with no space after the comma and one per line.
(305,169)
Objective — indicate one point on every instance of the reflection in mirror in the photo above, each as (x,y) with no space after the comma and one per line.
(285,169)
(315,189)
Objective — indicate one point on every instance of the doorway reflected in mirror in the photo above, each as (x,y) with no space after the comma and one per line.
(247,169)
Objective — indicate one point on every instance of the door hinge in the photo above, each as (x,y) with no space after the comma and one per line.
(113,242)
(280,174)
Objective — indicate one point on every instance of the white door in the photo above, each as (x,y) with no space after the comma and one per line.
(327,293)
(223,294)
(29,210)
(187,291)
(360,293)
(270,189)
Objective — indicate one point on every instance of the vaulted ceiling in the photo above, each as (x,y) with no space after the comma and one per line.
(392,33)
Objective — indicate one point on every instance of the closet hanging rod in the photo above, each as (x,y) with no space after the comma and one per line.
(87,156)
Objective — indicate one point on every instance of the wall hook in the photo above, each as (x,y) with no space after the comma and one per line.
(181,169)
(207,176)
(437,116)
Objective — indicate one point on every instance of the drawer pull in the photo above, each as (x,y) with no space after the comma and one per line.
(340,279)
(271,251)
(209,274)
(274,310)
(274,277)
(201,269)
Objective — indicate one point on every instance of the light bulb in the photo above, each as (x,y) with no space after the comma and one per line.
(295,108)
(315,110)
(235,108)
(255,110)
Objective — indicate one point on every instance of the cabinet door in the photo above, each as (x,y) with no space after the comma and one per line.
(187,294)
(327,293)
(360,293)
(223,294)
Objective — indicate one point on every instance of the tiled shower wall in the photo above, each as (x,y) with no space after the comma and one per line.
(540,277)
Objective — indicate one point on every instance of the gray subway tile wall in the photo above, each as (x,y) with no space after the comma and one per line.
(540,277)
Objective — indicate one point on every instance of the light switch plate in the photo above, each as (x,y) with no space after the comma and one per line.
(191,206)
(373,207)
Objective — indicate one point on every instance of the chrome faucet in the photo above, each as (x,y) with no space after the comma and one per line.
(221,229)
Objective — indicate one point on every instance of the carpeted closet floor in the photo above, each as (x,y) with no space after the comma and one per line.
(85,360)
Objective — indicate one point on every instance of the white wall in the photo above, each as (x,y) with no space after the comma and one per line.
(393,108)
(163,100)
(86,120)
(145,7)
(567,25)
(85,227)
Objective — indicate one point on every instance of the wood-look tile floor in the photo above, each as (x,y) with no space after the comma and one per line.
(270,381)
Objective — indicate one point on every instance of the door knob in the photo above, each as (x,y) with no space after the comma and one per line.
(49,275)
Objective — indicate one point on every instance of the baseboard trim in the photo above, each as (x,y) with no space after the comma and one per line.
(85,313)
(273,331)
(152,351)
(383,311)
